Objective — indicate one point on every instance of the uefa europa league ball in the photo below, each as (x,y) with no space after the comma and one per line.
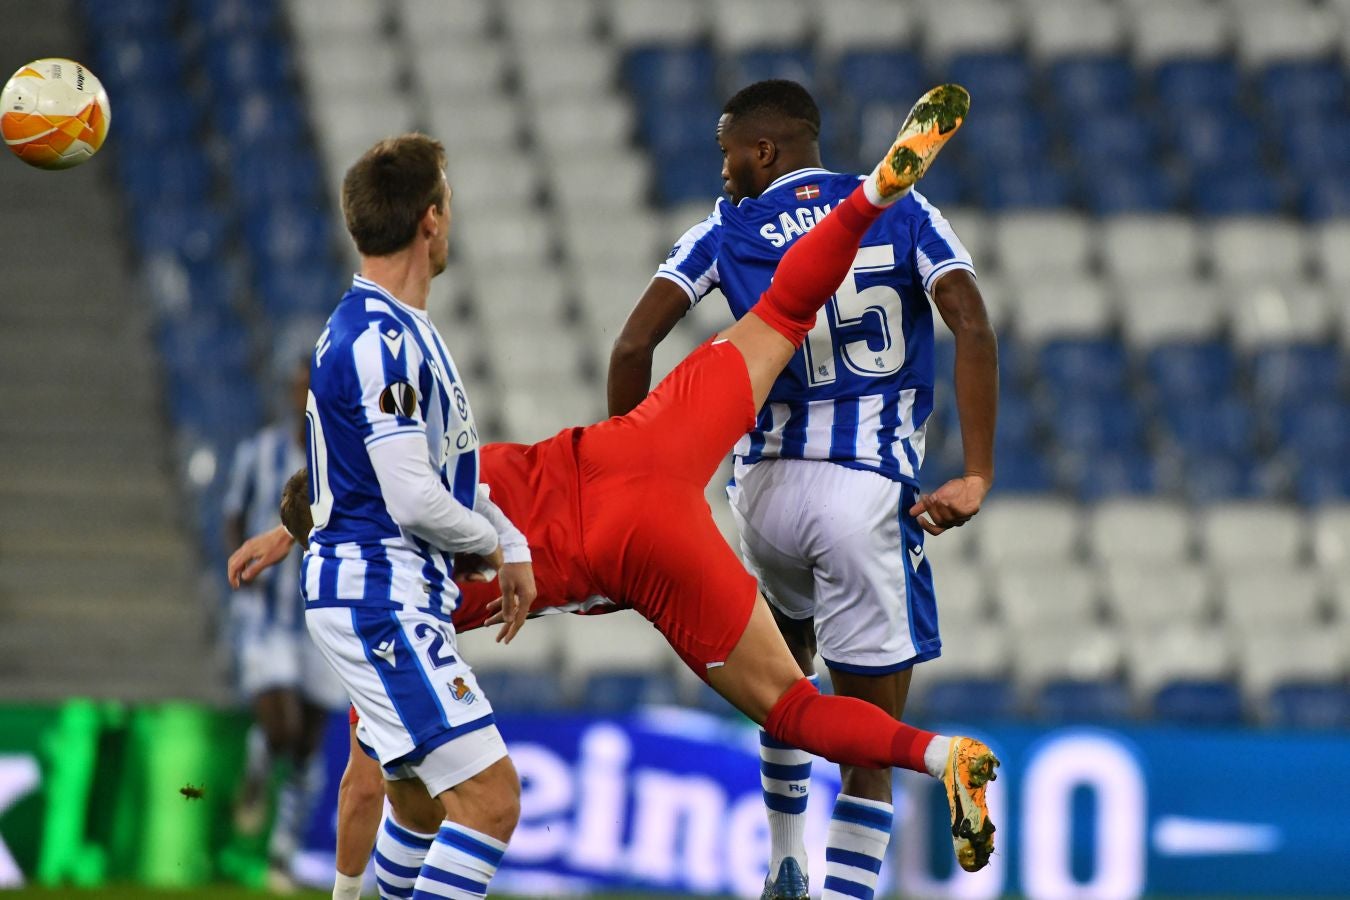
(54,114)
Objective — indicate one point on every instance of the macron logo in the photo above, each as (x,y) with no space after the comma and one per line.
(916,556)
(393,341)
(385,652)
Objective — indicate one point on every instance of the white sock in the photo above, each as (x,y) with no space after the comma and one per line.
(874,196)
(346,887)
(461,863)
(785,776)
(935,755)
(855,847)
(399,855)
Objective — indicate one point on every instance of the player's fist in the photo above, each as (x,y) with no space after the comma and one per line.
(952,505)
(477,567)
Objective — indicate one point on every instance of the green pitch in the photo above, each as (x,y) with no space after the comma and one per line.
(214,893)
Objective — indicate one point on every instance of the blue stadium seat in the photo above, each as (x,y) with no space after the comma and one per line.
(1316,147)
(126,17)
(1005,136)
(758,65)
(522,691)
(1180,372)
(221,17)
(218,337)
(1085,367)
(280,235)
(1035,187)
(1317,431)
(661,74)
(1217,140)
(180,174)
(195,234)
(880,75)
(240,64)
(693,175)
(1326,196)
(1198,84)
(262,121)
(1115,188)
(1297,373)
(1236,192)
(673,128)
(1223,426)
(1320,706)
(136,62)
(1317,482)
(1083,701)
(1115,472)
(282,173)
(973,700)
(156,122)
(943,186)
(1099,422)
(1091,84)
(1023,472)
(1199,703)
(1207,479)
(996,79)
(312,287)
(1113,136)
(620,692)
(1017,421)
(1299,88)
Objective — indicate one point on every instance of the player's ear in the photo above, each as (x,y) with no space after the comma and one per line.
(428,223)
(766,151)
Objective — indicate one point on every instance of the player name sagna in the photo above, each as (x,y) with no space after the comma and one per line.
(793,224)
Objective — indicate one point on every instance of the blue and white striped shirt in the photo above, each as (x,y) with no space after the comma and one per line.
(261,466)
(860,390)
(381,370)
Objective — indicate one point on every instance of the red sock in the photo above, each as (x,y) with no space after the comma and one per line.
(813,268)
(845,730)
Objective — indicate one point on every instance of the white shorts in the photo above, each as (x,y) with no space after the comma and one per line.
(271,655)
(422,712)
(839,545)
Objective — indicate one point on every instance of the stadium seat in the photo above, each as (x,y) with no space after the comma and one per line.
(1243,249)
(1321,482)
(1144,595)
(1202,703)
(614,180)
(1169,311)
(1065,701)
(1291,655)
(476,127)
(1294,88)
(1064,651)
(662,74)
(598,240)
(1003,80)
(1266,313)
(487,183)
(1324,707)
(1185,372)
(1069,310)
(1094,476)
(1149,247)
(761,64)
(549,67)
(1025,530)
(1198,84)
(856,24)
(1110,187)
(1331,541)
(1155,531)
(1176,652)
(1297,30)
(193,234)
(1022,188)
(566,125)
(1011,138)
(1268,599)
(246,62)
(608,295)
(328,70)
(431,21)
(518,295)
(561,18)
(879,75)
(1100,426)
(1296,374)
(1224,428)
(1112,135)
(961,591)
(1316,431)
(511,237)
(742,24)
(1330,240)
(336,18)
(1246,533)
(1037,596)
(969,700)
(1225,191)
(473,71)
(618,643)
(1036,244)
(1059,28)
(953,550)
(636,23)
(1326,197)
(1086,367)
(1181,29)
(952,27)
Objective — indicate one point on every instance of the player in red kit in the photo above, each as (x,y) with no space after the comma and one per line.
(617,509)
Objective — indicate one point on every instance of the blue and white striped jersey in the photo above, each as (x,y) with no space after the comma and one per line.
(261,466)
(860,389)
(381,370)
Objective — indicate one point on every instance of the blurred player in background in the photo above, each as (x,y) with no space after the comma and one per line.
(288,685)
(826,492)
(393,462)
(618,509)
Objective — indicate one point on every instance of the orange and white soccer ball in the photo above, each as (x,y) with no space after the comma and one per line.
(54,114)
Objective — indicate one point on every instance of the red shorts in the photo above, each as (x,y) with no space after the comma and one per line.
(648,535)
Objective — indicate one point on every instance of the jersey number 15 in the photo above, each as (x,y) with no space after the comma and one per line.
(850,306)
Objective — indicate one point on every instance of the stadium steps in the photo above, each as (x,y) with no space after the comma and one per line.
(97,591)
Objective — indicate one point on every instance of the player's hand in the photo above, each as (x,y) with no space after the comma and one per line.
(952,505)
(258,553)
(513,606)
(473,567)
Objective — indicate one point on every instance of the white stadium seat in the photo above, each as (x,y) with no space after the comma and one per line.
(337,17)
(1021,530)
(1291,30)
(962,597)
(1266,599)
(536,648)
(743,24)
(975,230)
(1145,596)
(542,410)
(510,295)
(326,60)
(1066,307)
(1089,653)
(1331,538)
(676,220)
(1143,531)
(476,125)
(436,21)
(486,181)
(608,293)
(568,125)
(1279,312)
(952,27)
(553,18)
(640,22)
(1251,533)
(979,651)
(1149,246)
(1043,244)
(1040,595)
(1176,652)
(1331,241)
(1310,655)
(597,240)
(953,549)
(507,238)
(542,350)
(865,24)
(1180,29)
(599,179)
(1058,28)
(621,641)
(458,73)
(1263,248)
(551,68)
(1161,310)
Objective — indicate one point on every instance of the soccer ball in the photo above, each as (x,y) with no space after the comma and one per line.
(54,114)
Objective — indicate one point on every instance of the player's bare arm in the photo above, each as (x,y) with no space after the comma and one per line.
(958,300)
(662,304)
(256,554)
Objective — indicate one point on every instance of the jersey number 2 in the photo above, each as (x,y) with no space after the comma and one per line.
(437,645)
(850,306)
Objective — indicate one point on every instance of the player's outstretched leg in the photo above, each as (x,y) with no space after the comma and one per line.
(816,264)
